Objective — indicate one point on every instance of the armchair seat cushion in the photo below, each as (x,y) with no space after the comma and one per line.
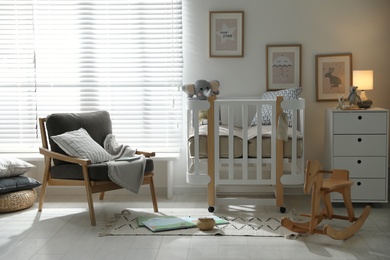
(97,172)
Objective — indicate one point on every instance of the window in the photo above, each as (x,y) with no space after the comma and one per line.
(78,56)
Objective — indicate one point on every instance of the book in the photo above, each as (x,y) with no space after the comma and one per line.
(166,223)
(170,223)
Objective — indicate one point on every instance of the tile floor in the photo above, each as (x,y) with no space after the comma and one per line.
(63,231)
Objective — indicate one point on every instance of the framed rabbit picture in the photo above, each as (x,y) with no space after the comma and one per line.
(333,76)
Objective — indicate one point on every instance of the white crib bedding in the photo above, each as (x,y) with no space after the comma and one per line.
(238,141)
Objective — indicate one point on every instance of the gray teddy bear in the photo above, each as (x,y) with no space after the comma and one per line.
(353,97)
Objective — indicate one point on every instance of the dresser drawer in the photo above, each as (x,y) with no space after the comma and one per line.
(359,145)
(373,190)
(360,123)
(362,167)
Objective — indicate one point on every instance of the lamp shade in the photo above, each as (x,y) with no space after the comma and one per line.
(363,79)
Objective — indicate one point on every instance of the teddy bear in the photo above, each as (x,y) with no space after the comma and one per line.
(202,89)
(353,97)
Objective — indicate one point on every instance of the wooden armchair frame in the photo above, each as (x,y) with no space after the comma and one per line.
(90,186)
(320,189)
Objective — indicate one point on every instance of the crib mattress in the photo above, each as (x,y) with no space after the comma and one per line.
(238,141)
(237,150)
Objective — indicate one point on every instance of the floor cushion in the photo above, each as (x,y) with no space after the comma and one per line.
(18,200)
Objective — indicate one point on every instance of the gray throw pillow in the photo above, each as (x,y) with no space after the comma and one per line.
(17,183)
(266,112)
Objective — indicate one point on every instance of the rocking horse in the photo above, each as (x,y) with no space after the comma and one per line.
(321,188)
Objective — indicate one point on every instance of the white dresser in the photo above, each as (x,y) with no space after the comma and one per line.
(357,140)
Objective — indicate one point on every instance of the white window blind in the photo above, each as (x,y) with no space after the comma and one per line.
(79,56)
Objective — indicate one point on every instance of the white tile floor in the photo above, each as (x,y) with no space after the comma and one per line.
(63,231)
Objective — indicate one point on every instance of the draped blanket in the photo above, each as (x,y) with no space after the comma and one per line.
(126,169)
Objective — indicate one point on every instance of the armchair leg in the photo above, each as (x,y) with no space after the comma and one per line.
(44,183)
(153,192)
(89,196)
(148,179)
(42,195)
(90,205)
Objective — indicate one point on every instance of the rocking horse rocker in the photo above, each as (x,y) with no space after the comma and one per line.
(321,188)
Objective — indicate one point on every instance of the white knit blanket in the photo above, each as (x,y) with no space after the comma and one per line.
(126,169)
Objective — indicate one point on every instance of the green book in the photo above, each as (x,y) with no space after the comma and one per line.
(166,223)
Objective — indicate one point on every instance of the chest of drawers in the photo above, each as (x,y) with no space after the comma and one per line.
(357,140)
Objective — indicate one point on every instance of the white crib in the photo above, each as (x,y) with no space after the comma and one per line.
(238,167)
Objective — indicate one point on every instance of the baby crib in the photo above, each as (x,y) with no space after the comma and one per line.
(243,164)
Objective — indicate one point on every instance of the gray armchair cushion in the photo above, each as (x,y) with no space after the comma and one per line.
(98,125)
(97,172)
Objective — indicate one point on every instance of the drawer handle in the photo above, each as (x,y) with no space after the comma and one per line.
(360,117)
(359,140)
(359,183)
(359,161)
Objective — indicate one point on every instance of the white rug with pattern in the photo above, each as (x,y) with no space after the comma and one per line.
(241,223)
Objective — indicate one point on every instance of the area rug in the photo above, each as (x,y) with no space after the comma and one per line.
(241,223)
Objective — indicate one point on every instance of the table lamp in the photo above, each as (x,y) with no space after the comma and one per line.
(364,80)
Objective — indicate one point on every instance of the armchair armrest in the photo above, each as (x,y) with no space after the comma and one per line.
(146,154)
(63,157)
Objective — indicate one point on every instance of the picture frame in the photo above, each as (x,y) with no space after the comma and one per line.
(226,34)
(333,76)
(283,63)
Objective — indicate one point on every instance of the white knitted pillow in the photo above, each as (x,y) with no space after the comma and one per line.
(11,166)
(79,143)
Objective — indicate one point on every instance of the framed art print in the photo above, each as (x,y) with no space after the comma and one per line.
(283,66)
(333,76)
(226,34)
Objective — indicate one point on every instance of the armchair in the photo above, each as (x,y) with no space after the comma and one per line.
(64,170)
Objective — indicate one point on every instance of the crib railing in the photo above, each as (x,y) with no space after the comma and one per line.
(196,175)
(244,170)
(275,161)
(243,105)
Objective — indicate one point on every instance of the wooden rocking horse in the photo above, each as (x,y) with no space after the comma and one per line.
(321,188)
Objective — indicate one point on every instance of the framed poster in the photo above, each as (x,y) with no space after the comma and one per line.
(226,37)
(333,76)
(283,66)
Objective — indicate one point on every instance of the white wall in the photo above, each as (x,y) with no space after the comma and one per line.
(360,27)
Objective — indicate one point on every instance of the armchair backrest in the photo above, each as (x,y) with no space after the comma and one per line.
(98,125)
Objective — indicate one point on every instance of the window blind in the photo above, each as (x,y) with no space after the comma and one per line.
(79,56)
